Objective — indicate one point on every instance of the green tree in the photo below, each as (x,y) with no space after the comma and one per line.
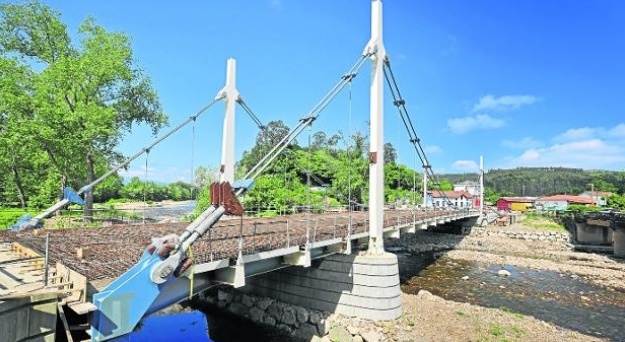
(87,96)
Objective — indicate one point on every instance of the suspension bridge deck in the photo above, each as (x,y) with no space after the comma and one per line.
(102,254)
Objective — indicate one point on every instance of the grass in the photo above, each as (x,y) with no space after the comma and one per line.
(516,314)
(496,330)
(462,313)
(542,222)
(9,216)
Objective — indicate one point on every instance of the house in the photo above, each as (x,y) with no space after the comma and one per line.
(521,204)
(445,199)
(600,198)
(471,187)
(561,202)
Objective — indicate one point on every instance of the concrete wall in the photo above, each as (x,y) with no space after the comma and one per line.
(361,286)
(29,318)
(592,234)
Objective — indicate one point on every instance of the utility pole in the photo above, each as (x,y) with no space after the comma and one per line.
(481,186)
(425,186)
(592,194)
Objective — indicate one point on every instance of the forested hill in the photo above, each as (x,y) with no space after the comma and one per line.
(546,180)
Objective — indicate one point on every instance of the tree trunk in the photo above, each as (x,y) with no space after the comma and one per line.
(88,208)
(18,184)
(64,177)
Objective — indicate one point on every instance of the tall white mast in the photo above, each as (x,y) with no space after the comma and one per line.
(231,95)
(375,47)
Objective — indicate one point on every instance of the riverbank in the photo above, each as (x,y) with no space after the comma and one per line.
(514,283)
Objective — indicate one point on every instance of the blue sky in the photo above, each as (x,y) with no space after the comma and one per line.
(522,82)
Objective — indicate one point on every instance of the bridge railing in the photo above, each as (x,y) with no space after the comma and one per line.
(236,236)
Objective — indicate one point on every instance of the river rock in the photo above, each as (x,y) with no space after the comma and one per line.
(340,334)
(247,301)
(268,320)
(264,303)
(465,278)
(275,310)
(301,314)
(353,329)
(503,273)
(256,314)
(314,317)
(371,336)
(238,309)
(358,338)
(224,296)
(306,332)
(424,294)
(288,316)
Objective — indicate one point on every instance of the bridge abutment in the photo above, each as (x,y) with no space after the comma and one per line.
(619,242)
(361,286)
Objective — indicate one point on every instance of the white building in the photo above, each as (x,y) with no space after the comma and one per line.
(445,199)
(471,187)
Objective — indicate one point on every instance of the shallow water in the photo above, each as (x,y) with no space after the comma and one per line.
(561,299)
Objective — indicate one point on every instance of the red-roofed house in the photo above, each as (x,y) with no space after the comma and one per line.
(459,199)
(561,202)
(521,204)
(600,197)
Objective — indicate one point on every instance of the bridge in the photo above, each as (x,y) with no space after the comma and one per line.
(109,274)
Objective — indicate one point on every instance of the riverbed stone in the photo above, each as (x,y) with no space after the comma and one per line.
(301,314)
(247,301)
(256,314)
(288,316)
(503,273)
(224,296)
(268,320)
(340,334)
(314,317)
(264,303)
(275,310)
(238,309)
(358,338)
(284,328)
(371,336)
(306,331)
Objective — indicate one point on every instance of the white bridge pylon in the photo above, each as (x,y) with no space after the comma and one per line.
(375,48)
(230,95)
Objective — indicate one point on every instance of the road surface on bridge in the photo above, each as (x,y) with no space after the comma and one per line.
(110,251)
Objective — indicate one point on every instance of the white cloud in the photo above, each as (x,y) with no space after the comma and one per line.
(576,134)
(524,143)
(588,133)
(617,131)
(586,154)
(465,165)
(468,123)
(433,149)
(506,102)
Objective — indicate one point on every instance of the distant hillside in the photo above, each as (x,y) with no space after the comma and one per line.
(545,181)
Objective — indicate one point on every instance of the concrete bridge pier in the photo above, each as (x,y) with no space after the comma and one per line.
(619,242)
(362,286)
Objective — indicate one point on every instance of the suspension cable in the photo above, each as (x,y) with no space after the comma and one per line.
(257,169)
(192,159)
(249,112)
(145,184)
(400,103)
(147,149)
